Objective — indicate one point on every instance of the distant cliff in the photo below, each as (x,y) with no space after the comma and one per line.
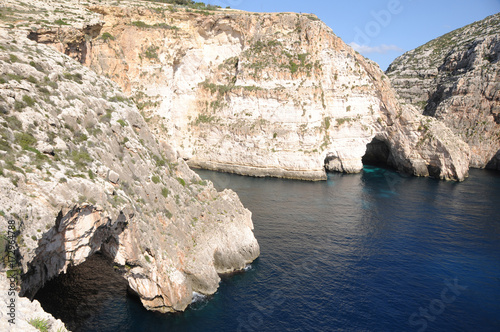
(456,78)
(256,94)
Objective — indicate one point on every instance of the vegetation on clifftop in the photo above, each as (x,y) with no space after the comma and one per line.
(188,3)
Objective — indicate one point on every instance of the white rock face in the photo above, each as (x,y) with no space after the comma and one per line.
(114,189)
(265,95)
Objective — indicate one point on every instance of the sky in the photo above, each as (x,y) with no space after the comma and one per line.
(381,30)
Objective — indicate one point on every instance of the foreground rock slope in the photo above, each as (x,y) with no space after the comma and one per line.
(256,94)
(456,79)
(81,172)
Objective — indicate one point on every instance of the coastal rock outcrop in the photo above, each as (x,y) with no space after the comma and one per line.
(258,94)
(456,79)
(81,173)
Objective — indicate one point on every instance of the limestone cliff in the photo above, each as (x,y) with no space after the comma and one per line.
(257,94)
(456,78)
(80,172)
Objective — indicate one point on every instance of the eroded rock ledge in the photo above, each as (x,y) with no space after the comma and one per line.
(82,173)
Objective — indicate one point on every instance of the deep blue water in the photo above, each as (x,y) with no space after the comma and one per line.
(376,251)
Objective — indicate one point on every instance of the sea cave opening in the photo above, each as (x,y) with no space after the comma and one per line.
(377,153)
(78,296)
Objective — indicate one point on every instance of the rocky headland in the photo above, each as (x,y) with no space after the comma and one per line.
(82,173)
(456,78)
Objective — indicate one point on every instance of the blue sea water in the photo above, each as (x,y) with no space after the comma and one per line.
(376,251)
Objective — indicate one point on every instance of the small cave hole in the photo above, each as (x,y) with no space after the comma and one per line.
(377,154)
(494,163)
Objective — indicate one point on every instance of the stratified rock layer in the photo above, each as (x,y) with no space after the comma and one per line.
(81,173)
(257,94)
(456,78)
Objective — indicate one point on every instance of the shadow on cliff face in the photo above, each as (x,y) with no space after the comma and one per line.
(494,163)
(81,235)
(76,43)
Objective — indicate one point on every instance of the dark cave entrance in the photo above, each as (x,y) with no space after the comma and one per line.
(78,296)
(377,154)
(494,163)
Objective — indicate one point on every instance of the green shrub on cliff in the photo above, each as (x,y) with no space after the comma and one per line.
(188,3)
(203,118)
(151,52)
(327,123)
(28,100)
(106,117)
(181,181)
(60,22)
(140,24)
(13,58)
(25,140)
(105,36)
(13,122)
(155,179)
(81,158)
(221,89)
(122,123)
(293,67)
(40,324)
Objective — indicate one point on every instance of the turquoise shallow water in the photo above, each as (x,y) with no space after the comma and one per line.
(376,251)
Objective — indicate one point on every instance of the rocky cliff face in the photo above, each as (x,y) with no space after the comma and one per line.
(256,94)
(80,172)
(456,78)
